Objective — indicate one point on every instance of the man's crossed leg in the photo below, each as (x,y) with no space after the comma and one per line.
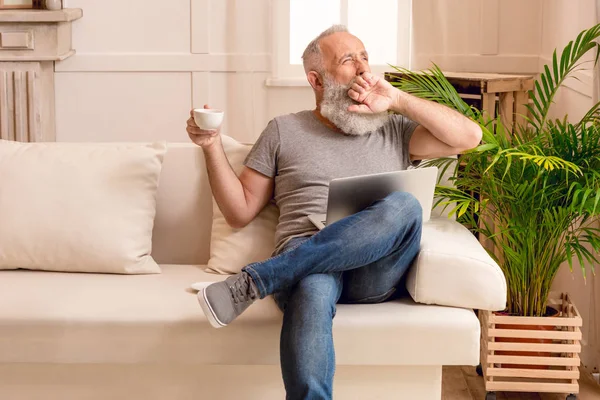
(375,246)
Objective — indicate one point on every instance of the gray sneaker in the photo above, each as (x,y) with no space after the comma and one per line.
(222,302)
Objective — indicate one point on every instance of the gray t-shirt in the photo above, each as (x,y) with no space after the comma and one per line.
(304,155)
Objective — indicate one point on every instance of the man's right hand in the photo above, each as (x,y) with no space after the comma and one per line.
(240,198)
(201,137)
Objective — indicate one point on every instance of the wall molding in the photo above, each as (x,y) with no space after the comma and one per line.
(518,63)
(287,82)
(581,81)
(165,62)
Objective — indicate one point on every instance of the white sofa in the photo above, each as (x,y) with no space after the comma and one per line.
(76,336)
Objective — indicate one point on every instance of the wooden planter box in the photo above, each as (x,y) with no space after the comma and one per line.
(556,370)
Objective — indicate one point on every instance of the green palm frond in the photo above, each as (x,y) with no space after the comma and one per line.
(462,201)
(591,237)
(539,183)
(592,116)
(433,86)
(547,162)
(550,80)
(584,201)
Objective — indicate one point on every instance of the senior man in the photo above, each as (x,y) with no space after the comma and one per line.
(359,259)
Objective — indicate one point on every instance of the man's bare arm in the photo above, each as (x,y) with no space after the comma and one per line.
(239,199)
(441,131)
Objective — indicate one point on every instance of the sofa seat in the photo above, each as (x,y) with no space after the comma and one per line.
(66,318)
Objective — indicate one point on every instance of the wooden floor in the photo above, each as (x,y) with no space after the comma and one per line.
(463,383)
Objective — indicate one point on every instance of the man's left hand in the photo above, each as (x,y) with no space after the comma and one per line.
(373,92)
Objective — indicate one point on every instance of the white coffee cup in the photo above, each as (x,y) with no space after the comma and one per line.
(208,119)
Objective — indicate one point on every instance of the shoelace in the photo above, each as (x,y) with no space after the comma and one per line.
(241,291)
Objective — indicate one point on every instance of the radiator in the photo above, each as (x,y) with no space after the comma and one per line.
(20,118)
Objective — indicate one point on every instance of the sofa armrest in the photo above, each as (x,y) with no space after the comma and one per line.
(453,269)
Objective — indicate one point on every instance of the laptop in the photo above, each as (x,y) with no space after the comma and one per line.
(350,195)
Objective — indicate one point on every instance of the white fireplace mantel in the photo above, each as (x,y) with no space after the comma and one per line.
(31,41)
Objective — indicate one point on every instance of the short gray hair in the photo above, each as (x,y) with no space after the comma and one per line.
(312,58)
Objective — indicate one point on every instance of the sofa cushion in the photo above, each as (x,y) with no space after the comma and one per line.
(453,269)
(78,207)
(232,249)
(48,317)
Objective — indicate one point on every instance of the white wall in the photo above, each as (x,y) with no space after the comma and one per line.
(477,36)
(140,67)
(562,21)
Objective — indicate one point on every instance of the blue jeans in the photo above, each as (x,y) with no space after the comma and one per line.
(359,259)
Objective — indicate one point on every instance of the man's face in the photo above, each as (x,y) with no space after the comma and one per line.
(344,57)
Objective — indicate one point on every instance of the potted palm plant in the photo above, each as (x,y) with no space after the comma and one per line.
(534,192)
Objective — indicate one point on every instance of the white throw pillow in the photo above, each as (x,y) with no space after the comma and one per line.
(78,207)
(232,249)
(453,269)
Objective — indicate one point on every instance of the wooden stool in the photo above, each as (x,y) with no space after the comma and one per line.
(494,94)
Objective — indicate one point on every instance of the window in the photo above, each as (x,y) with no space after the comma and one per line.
(384,26)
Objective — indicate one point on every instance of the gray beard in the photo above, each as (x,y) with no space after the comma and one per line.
(335,105)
